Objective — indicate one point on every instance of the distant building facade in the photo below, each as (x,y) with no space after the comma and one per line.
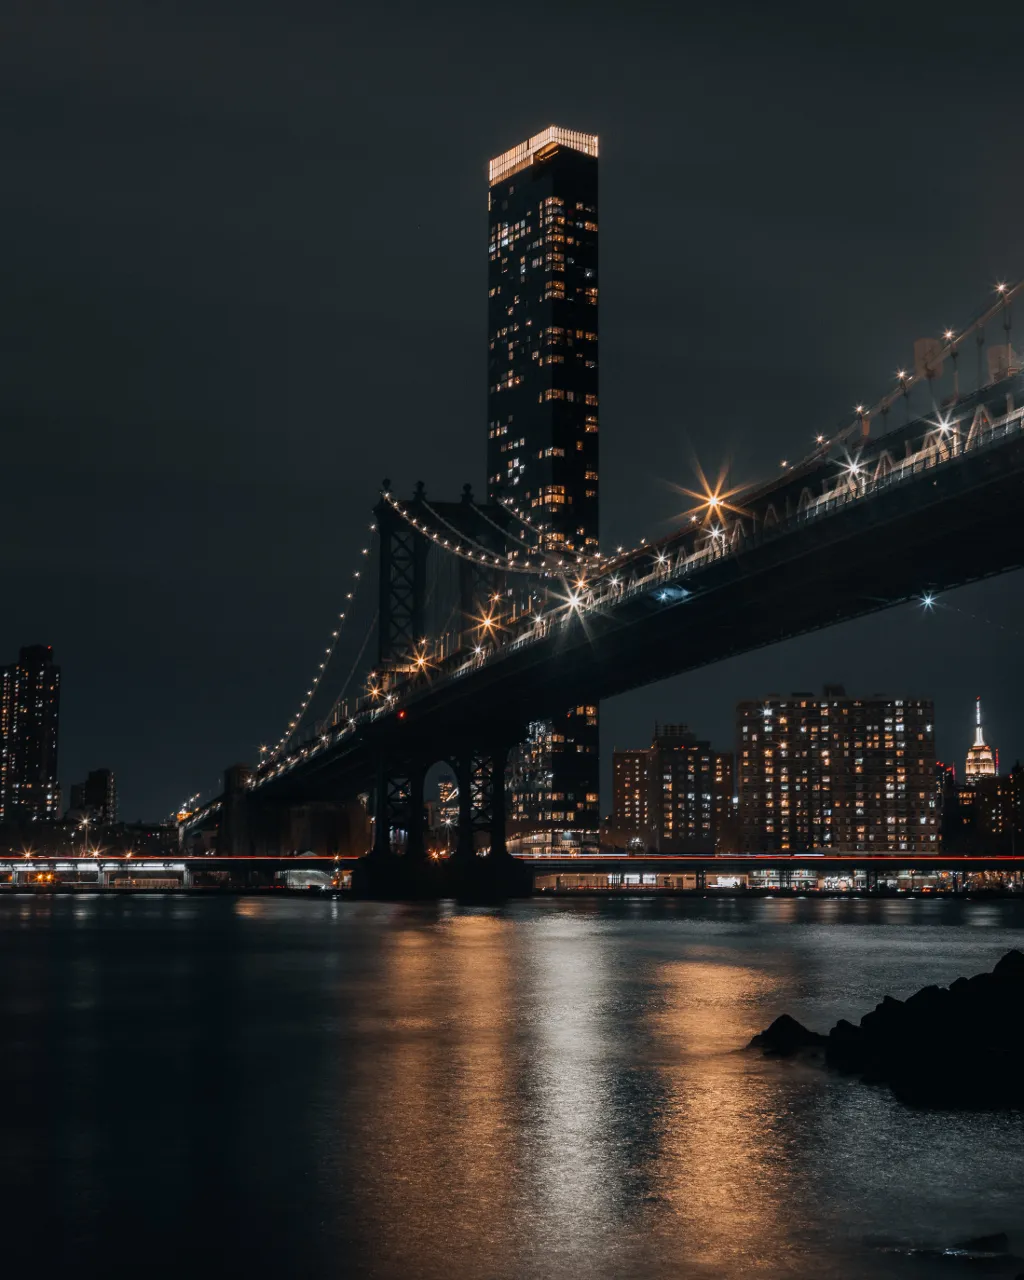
(97,795)
(836,772)
(675,796)
(999,811)
(982,761)
(29,727)
(631,794)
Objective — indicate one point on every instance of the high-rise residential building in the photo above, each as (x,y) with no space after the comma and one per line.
(836,772)
(542,447)
(97,795)
(542,410)
(631,791)
(29,718)
(691,786)
(676,795)
(982,761)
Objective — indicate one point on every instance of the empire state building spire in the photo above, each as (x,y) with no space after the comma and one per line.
(981,761)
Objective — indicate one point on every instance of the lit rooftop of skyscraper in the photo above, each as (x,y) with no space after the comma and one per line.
(523,153)
(981,759)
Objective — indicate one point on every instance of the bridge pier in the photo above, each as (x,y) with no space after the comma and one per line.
(415,841)
(481,772)
(469,873)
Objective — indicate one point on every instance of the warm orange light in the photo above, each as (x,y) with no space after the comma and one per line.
(713,500)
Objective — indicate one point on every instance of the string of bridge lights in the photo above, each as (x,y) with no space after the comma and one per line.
(269,754)
(598,560)
(507,533)
(479,554)
(539,533)
(949,348)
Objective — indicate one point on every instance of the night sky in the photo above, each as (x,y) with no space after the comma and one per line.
(244,279)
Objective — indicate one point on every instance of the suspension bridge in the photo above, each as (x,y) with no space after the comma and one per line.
(474,626)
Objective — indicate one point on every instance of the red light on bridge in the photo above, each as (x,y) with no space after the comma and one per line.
(401,715)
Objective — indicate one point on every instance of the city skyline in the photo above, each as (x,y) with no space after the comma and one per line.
(222,545)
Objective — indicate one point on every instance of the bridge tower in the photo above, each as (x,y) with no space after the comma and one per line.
(402,582)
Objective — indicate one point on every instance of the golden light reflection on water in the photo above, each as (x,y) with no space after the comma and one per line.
(721,1165)
(439,1104)
(533,1093)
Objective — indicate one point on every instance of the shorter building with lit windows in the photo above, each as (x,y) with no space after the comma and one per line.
(554,806)
(675,796)
(832,772)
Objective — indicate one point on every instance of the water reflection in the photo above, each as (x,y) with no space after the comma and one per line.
(550,1091)
(723,1168)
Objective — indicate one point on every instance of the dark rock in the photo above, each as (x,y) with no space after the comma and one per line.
(785,1037)
(1011,966)
(959,1047)
(998,1243)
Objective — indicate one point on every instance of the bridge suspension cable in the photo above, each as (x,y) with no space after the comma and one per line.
(479,553)
(269,754)
(355,666)
(581,556)
(948,348)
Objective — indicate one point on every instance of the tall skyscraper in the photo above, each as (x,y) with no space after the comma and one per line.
(835,772)
(542,431)
(542,402)
(29,716)
(982,761)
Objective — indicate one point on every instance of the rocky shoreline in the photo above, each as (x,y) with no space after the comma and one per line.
(959,1047)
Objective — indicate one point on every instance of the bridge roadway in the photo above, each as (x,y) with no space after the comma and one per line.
(874,536)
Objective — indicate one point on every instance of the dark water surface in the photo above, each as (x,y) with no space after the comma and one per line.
(291,1087)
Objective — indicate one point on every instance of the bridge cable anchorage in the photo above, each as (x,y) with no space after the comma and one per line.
(479,555)
(951,340)
(269,755)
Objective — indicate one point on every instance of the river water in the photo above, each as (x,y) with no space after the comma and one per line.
(250,1086)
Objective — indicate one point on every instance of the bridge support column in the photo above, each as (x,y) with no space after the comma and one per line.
(397,805)
(415,845)
(465,844)
(499,846)
(381,815)
(482,807)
